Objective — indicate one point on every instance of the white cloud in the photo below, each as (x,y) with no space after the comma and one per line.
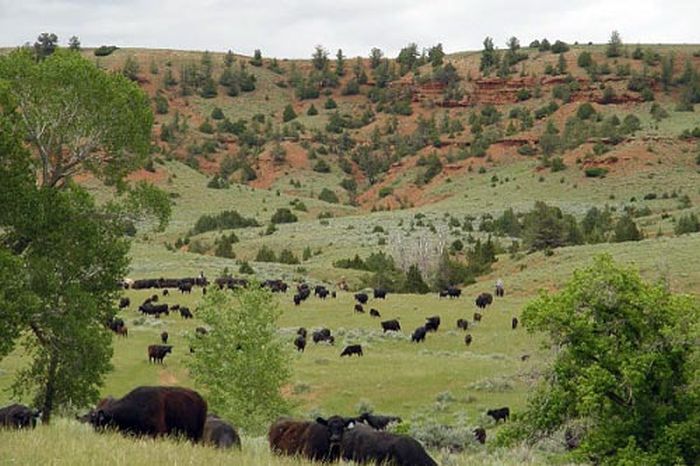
(291,28)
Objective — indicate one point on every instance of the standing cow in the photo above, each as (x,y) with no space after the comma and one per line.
(352,349)
(392,325)
(156,353)
(300,343)
(18,416)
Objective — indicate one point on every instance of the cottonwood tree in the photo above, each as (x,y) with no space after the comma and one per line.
(76,116)
(45,45)
(626,366)
(74,43)
(241,364)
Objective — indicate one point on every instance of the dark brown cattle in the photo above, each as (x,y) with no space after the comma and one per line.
(392,325)
(477,317)
(219,433)
(483,300)
(185,313)
(185,287)
(154,411)
(156,353)
(164,337)
(374,313)
(319,441)
(468,339)
(123,331)
(352,349)
(124,303)
(462,324)
(359,308)
(514,323)
(480,435)
(300,343)
(18,416)
(364,445)
(378,422)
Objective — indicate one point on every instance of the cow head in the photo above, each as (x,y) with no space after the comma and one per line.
(336,426)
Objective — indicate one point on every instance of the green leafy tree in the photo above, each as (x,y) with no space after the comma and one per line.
(45,45)
(320,58)
(626,230)
(436,55)
(283,215)
(614,48)
(375,57)
(489,57)
(340,63)
(625,366)
(687,224)
(74,44)
(288,114)
(76,116)
(242,364)
(414,281)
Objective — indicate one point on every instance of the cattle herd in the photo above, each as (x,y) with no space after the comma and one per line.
(160,411)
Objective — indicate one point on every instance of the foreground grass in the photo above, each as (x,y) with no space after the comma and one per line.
(67,442)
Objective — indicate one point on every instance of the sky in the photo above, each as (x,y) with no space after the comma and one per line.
(291,28)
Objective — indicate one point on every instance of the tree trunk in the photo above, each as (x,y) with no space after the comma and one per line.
(47,405)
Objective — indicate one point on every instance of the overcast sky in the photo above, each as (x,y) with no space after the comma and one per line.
(291,28)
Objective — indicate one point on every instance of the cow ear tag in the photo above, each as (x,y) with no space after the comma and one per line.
(351,425)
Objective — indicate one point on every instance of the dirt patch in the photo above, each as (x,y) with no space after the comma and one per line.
(167,378)
(269,171)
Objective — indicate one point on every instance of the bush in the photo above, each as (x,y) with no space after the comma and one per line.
(105,50)
(585,111)
(162,106)
(217,114)
(386,191)
(322,166)
(584,60)
(526,149)
(283,215)
(289,114)
(265,254)
(626,230)
(206,127)
(687,224)
(596,172)
(330,104)
(328,196)
(245,268)
(287,257)
(228,219)
(312,111)
(560,47)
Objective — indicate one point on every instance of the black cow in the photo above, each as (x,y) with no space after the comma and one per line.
(297,299)
(468,339)
(359,308)
(302,332)
(319,441)
(323,294)
(352,349)
(18,416)
(374,313)
(201,331)
(480,435)
(364,445)
(391,326)
(154,298)
(154,309)
(477,317)
(333,294)
(164,337)
(166,292)
(514,323)
(300,343)
(378,422)
(462,324)
(185,287)
(361,298)
(124,303)
(154,411)
(432,324)
(524,357)
(483,300)
(323,335)
(219,433)
(450,292)
(115,324)
(380,293)
(498,414)
(185,313)
(419,334)
(156,353)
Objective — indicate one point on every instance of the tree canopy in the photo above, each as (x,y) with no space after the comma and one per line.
(626,366)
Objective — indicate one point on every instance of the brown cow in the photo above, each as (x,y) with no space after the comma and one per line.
(319,440)
(156,353)
(153,411)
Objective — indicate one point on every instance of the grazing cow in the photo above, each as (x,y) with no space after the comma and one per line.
(450,292)
(175,307)
(498,414)
(124,303)
(468,339)
(483,300)
(318,441)
(432,323)
(323,294)
(201,331)
(185,313)
(219,433)
(374,313)
(18,416)
(364,445)
(123,331)
(524,357)
(333,295)
(419,334)
(154,411)
(380,293)
(361,298)
(477,317)
(154,309)
(352,349)
(462,324)
(378,422)
(359,308)
(391,326)
(514,323)
(300,343)
(166,292)
(480,435)
(164,337)
(302,332)
(323,335)
(185,287)
(156,353)
(297,299)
